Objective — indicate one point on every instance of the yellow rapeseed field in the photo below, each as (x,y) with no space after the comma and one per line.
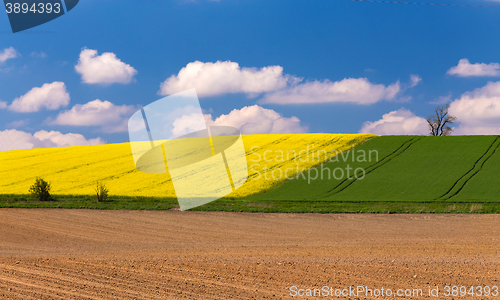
(74,170)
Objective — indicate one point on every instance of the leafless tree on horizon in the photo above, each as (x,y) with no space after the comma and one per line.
(439,123)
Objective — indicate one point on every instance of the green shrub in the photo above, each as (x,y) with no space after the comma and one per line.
(101,191)
(41,190)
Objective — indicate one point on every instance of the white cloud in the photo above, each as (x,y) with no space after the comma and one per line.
(351,90)
(103,69)
(18,123)
(258,120)
(8,53)
(219,78)
(3,104)
(12,139)
(415,80)
(50,96)
(188,123)
(442,99)
(398,122)
(466,69)
(66,140)
(478,111)
(110,117)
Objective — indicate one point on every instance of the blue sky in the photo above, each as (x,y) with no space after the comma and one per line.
(317,45)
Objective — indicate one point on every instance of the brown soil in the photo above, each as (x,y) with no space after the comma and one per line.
(83,254)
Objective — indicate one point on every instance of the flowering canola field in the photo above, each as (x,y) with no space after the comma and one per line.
(74,170)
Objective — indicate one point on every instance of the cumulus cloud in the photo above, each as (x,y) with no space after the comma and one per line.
(478,111)
(442,99)
(8,53)
(219,78)
(18,123)
(466,69)
(3,104)
(258,120)
(103,69)
(110,117)
(12,139)
(398,122)
(225,77)
(189,123)
(415,80)
(50,96)
(351,90)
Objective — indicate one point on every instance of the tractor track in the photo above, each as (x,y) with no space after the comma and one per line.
(476,168)
(344,184)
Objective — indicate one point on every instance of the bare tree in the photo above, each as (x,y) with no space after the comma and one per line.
(439,124)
